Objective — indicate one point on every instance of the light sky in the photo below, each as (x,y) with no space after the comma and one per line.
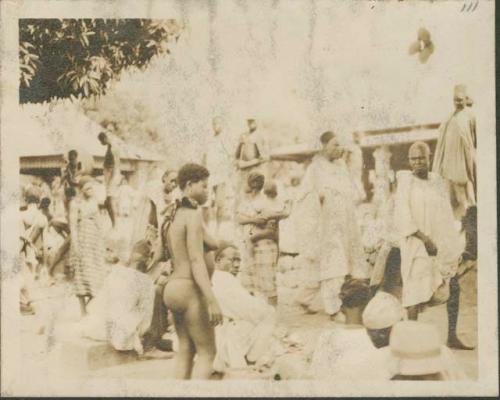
(308,66)
(303,67)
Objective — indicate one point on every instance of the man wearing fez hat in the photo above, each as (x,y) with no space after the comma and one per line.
(455,156)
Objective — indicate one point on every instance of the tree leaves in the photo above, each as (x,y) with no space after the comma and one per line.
(64,57)
(27,62)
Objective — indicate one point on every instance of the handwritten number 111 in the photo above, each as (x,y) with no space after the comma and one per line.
(470,7)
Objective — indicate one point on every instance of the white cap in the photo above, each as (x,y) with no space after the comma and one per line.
(383,311)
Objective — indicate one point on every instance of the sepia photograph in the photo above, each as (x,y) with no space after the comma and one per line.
(236,197)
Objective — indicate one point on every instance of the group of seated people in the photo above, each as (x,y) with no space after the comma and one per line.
(376,343)
(139,320)
(130,310)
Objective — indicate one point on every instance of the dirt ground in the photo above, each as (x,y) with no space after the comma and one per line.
(39,354)
(39,348)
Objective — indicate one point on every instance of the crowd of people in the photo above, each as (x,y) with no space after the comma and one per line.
(218,285)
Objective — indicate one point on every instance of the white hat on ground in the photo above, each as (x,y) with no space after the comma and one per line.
(416,348)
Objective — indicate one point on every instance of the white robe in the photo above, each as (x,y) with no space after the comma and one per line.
(348,354)
(423,205)
(328,231)
(455,155)
(122,311)
(248,323)
(455,159)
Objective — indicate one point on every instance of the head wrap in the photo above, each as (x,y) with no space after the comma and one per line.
(383,311)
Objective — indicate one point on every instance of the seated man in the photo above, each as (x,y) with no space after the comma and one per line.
(382,312)
(346,352)
(123,309)
(249,322)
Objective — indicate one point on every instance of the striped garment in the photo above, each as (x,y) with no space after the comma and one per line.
(265,256)
(89,267)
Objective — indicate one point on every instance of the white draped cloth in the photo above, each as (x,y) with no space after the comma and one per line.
(248,323)
(122,311)
(348,354)
(328,232)
(423,205)
(455,157)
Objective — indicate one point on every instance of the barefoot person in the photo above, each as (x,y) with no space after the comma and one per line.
(188,292)
(87,244)
(429,241)
(329,235)
(112,176)
(259,214)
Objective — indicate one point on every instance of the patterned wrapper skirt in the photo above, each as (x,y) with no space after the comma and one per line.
(265,255)
(89,267)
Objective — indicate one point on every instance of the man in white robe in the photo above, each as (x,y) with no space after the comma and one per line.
(249,322)
(455,155)
(330,238)
(430,243)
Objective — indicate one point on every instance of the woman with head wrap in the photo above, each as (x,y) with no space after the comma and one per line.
(87,243)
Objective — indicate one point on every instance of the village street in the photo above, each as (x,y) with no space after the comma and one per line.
(85,359)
